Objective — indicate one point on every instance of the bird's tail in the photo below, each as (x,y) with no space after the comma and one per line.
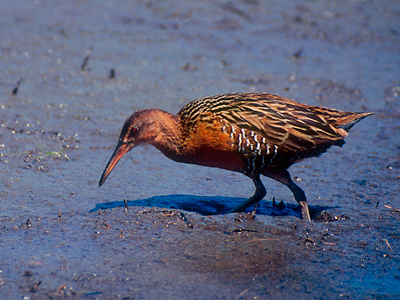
(346,122)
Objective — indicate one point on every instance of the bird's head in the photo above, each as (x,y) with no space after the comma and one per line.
(139,129)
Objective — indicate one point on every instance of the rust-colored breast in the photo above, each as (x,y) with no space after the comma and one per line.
(209,143)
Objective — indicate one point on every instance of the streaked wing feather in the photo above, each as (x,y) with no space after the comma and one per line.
(282,122)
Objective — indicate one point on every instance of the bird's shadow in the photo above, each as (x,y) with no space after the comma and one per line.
(212,205)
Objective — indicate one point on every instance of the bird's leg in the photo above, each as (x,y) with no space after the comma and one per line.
(301,199)
(258,195)
(283,176)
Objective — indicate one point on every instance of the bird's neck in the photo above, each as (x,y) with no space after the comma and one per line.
(169,137)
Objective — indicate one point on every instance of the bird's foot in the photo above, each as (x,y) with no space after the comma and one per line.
(304,211)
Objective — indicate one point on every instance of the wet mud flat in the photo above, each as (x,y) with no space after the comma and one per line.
(63,237)
(151,252)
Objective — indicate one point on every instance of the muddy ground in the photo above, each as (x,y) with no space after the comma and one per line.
(61,236)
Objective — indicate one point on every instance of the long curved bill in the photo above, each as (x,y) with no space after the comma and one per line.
(120,150)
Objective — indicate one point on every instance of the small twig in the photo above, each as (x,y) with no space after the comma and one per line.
(298,53)
(242,293)
(229,6)
(395,209)
(59,214)
(328,243)
(112,74)
(308,240)
(387,243)
(15,90)
(86,59)
(244,229)
(62,287)
(34,287)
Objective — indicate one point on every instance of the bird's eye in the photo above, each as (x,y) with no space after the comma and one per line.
(134,131)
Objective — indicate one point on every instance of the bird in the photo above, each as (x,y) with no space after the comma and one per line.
(250,133)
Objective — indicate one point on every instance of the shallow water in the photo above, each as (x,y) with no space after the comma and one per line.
(63,236)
